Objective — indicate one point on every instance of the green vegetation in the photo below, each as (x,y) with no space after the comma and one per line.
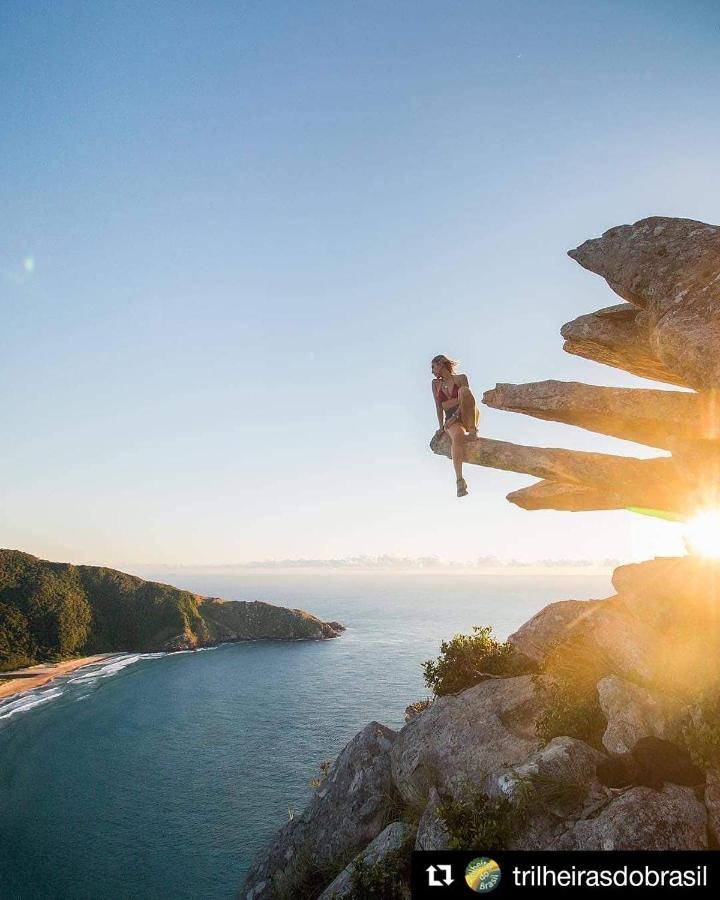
(307,877)
(388,878)
(51,611)
(468,659)
(473,819)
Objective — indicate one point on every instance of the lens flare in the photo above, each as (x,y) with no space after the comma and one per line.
(702,534)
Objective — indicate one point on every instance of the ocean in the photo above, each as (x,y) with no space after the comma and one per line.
(160,775)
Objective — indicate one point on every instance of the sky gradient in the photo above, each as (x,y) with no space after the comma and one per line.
(235,233)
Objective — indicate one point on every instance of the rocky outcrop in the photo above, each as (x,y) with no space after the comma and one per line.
(553,624)
(396,836)
(618,336)
(650,417)
(348,810)
(642,819)
(237,620)
(464,736)
(670,270)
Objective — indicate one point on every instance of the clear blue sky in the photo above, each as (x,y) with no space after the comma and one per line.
(235,233)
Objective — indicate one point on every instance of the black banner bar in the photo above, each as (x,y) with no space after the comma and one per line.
(437,875)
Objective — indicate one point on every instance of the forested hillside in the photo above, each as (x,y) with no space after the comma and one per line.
(54,610)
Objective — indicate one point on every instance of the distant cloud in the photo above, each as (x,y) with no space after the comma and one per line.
(417,562)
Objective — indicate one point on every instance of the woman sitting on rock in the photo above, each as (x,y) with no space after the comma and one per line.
(456,409)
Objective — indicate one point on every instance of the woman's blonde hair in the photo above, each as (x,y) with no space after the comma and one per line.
(452,364)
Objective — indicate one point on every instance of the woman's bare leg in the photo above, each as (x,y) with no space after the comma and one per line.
(457,436)
(469,413)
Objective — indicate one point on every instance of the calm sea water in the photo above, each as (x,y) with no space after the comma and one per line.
(160,776)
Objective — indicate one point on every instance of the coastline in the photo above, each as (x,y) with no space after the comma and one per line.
(46,673)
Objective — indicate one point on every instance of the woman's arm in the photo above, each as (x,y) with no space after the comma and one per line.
(438,406)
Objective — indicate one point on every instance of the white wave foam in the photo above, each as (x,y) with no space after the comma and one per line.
(106,669)
(28,701)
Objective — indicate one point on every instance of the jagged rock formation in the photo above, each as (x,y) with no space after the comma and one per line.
(650,653)
(349,809)
(50,609)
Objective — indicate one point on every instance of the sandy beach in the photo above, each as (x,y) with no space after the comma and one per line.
(45,673)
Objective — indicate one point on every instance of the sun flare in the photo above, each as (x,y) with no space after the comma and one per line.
(702,534)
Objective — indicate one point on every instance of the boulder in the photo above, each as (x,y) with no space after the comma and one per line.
(465,736)
(392,838)
(633,712)
(669,267)
(347,811)
(548,627)
(642,819)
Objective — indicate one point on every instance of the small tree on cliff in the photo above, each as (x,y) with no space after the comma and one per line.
(468,659)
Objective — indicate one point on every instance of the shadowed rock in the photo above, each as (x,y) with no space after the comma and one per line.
(671,268)
(396,836)
(618,336)
(652,762)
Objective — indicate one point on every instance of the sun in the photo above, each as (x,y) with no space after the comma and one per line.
(702,534)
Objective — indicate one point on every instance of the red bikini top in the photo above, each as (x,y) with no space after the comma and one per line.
(442,395)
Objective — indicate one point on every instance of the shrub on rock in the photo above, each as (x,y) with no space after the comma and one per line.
(468,659)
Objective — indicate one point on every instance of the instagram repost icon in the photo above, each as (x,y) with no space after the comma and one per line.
(482,874)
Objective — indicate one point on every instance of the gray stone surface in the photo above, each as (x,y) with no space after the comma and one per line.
(642,819)
(670,268)
(392,838)
(348,810)
(465,736)
(558,784)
